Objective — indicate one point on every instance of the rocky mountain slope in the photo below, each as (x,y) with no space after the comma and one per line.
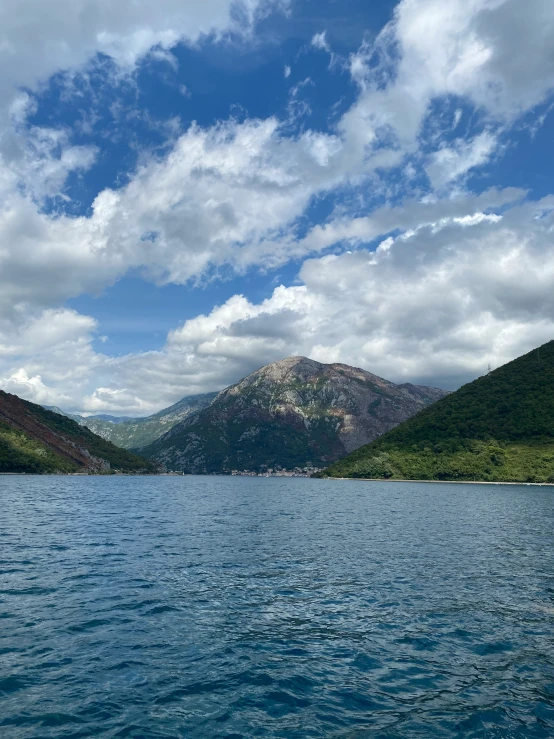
(497,428)
(292,413)
(131,433)
(35,440)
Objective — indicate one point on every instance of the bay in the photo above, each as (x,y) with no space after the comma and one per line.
(253,607)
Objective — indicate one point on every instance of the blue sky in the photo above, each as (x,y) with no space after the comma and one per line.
(212,82)
(193,190)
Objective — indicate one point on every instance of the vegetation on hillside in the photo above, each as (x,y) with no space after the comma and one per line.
(119,459)
(19,453)
(247,444)
(35,440)
(498,428)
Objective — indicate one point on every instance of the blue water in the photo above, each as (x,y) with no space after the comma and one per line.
(245,607)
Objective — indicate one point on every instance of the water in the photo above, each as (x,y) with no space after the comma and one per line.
(239,607)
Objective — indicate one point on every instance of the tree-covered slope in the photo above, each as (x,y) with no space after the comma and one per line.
(293,413)
(497,428)
(35,440)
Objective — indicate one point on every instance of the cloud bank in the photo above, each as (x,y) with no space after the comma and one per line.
(431,286)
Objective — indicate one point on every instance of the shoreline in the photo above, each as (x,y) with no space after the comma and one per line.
(443,482)
(297,477)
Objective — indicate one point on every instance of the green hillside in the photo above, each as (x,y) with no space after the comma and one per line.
(21,453)
(497,428)
(35,440)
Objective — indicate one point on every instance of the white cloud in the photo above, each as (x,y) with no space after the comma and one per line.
(33,389)
(451,162)
(319,41)
(221,197)
(230,195)
(467,48)
(41,37)
(408,218)
(435,306)
(453,292)
(224,196)
(105,398)
(45,259)
(48,359)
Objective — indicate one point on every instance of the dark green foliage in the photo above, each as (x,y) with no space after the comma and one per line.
(372,407)
(500,427)
(477,460)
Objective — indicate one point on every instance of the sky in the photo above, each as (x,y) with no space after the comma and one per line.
(192,189)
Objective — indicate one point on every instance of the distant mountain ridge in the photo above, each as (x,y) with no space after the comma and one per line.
(133,433)
(36,440)
(290,414)
(499,428)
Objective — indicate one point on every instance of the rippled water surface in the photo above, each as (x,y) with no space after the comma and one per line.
(239,607)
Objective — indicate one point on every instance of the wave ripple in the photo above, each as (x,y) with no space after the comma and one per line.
(243,607)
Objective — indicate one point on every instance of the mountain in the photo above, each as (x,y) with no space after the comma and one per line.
(132,433)
(55,409)
(498,428)
(293,413)
(111,419)
(36,440)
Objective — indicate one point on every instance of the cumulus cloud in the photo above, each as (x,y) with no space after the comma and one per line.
(230,195)
(39,38)
(410,217)
(32,388)
(432,50)
(48,359)
(222,196)
(496,52)
(434,305)
(47,258)
(453,292)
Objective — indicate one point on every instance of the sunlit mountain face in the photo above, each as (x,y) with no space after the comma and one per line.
(191,191)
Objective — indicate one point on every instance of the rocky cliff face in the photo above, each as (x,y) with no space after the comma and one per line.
(292,413)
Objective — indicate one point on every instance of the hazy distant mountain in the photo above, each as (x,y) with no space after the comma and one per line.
(54,408)
(497,428)
(132,433)
(290,413)
(111,419)
(36,440)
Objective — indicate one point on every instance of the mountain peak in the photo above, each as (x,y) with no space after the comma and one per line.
(292,413)
(298,366)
